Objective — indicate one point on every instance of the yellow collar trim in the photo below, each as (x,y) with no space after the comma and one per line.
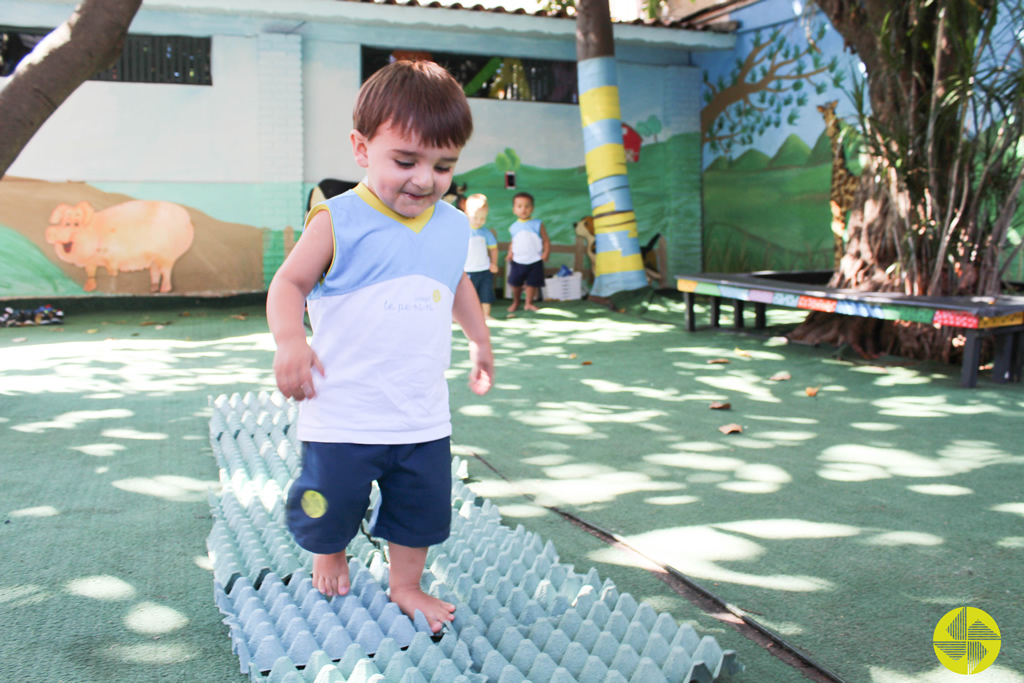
(415,224)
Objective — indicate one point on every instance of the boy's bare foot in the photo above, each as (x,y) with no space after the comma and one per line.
(530,307)
(330,574)
(513,307)
(437,611)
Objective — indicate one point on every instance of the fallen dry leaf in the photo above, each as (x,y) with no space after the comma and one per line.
(731,429)
(741,352)
(812,391)
(184,314)
(241,316)
(153,322)
(572,356)
(587,362)
(92,331)
(716,361)
(718,405)
(780,376)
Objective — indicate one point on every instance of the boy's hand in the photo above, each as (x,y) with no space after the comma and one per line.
(482,374)
(494,268)
(293,368)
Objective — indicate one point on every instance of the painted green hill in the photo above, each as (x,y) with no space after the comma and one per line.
(821,153)
(721,163)
(562,196)
(792,152)
(751,160)
(25,271)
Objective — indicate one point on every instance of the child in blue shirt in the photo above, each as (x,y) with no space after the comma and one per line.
(482,259)
(527,252)
(381,270)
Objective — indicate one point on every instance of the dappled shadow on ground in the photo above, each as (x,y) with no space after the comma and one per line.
(855,494)
(107,469)
(849,521)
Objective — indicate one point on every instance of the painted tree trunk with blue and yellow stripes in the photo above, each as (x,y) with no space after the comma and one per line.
(618,265)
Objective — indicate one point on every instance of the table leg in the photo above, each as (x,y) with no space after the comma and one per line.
(971,360)
(1002,365)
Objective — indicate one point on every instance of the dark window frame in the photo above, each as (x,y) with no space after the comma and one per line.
(146,58)
(505,78)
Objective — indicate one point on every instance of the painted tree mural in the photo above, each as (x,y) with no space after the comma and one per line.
(650,127)
(766,88)
(507,161)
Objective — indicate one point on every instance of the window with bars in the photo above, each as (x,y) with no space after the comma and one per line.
(184,60)
(501,78)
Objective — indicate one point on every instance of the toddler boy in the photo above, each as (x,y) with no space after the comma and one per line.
(527,252)
(381,270)
(482,259)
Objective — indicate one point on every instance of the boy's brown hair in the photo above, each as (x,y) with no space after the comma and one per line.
(420,99)
(524,195)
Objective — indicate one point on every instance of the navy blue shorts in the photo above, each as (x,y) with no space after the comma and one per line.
(330,497)
(483,283)
(530,273)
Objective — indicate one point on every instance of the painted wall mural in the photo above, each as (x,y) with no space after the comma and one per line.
(134,235)
(780,156)
(68,239)
(768,158)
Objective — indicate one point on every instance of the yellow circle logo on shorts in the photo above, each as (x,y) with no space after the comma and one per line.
(437,296)
(966,640)
(314,504)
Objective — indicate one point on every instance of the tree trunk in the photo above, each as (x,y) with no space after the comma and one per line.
(87,43)
(924,218)
(618,264)
(867,266)
(594,36)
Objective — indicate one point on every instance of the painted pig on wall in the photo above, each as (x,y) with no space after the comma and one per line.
(130,236)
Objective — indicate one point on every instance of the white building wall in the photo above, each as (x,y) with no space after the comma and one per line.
(281,128)
(156,132)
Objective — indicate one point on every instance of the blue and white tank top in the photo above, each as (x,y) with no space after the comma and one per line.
(527,245)
(382,323)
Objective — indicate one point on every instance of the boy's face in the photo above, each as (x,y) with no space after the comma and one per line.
(522,208)
(479,216)
(408,176)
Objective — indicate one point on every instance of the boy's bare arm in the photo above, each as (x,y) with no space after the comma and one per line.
(286,298)
(546,241)
(467,313)
(493,252)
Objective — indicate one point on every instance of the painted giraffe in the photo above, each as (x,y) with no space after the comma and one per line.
(844,183)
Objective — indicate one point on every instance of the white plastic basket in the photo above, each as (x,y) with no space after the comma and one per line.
(566,288)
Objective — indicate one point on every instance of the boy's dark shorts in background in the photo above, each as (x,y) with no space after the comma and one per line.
(329,499)
(483,282)
(530,273)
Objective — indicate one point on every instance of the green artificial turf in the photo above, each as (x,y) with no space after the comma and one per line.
(848,522)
